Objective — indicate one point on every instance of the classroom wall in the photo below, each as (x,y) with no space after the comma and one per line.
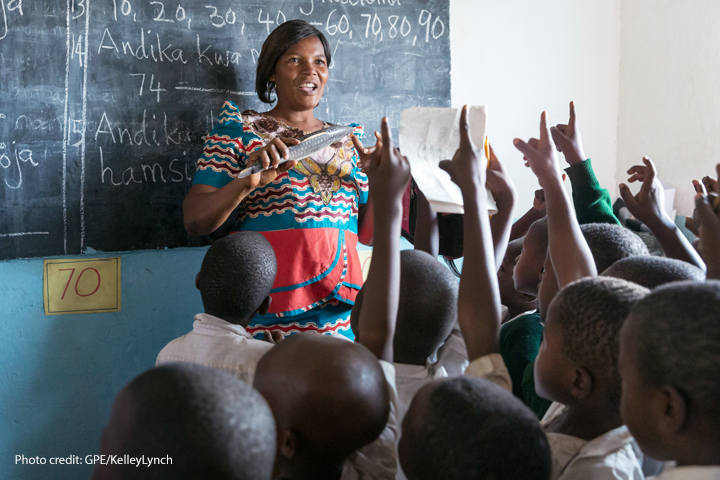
(669,95)
(520,57)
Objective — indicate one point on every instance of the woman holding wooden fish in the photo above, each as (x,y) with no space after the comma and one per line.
(313,211)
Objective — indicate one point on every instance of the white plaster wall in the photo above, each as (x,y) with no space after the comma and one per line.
(669,105)
(520,57)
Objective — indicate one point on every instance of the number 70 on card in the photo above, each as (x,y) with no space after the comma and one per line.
(81,286)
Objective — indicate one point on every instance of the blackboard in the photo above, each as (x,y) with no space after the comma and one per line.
(104,103)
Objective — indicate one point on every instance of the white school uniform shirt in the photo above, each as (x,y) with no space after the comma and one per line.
(612,456)
(215,343)
(690,473)
(452,355)
(378,460)
(411,378)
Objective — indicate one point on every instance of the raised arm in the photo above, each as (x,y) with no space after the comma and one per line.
(707,220)
(536,212)
(503,191)
(569,252)
(479,311)
(388,176)
(647,206)
(592,202)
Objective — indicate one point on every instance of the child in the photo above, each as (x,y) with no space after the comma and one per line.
(334,403)
(577,369)
(467,428)
(670,369)
(235,279)
(708,225)
(517,303)
(499,428)
(199,422)
(576,364)
(651,272)
(427,312)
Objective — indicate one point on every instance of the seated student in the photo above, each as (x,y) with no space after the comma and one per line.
(467,428)
(198,421)
(235,279)
(427,311)
(670,370)
(518,303)
(334,401)
(577,362)
(651,272)
(577,369)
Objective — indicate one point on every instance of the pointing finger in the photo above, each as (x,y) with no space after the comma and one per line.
(465,140)
(571,123)
(544,131)
(386,137)
(526,149)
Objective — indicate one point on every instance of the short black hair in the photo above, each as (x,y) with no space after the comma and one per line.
(237,274)
(428,307)
(591,313)
(275,45)
(211,424)
(651,271)
(476,430)
(610,243)
(676,340)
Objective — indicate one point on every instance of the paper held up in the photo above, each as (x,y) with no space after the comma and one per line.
(429,135)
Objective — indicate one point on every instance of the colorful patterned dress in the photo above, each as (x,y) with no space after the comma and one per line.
(308,214)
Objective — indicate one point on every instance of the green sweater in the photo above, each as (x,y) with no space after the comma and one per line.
(520,339)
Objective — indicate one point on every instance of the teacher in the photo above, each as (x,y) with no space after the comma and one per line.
(313,212)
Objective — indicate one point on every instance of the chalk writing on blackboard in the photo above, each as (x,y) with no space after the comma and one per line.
(106,102)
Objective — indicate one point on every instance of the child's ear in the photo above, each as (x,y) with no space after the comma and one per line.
(674,415)
(286,444)
(583,384)
(264,306)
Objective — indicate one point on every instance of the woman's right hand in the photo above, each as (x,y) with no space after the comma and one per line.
(270,157)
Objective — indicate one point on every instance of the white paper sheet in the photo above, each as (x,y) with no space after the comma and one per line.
(430,135)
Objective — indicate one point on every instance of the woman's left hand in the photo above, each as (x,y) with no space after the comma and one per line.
(367,155)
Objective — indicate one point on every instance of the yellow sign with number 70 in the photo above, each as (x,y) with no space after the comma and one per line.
(81,286)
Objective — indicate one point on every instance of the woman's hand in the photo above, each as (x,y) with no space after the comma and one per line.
(273,153)
(367,155)
(270,156)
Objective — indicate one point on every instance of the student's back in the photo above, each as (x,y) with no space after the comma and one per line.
(200,423)
(235,279)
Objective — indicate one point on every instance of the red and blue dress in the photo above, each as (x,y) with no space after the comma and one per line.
(309,215)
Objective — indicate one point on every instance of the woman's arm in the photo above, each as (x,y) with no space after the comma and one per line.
(206,208)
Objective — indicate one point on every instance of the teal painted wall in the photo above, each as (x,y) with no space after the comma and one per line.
(59,374)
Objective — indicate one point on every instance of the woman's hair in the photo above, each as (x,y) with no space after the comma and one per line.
(275,46)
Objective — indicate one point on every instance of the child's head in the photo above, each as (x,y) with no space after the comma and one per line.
(517,302)
(210,424)
(469,428)
(670,369)
(529,265)
(610,243)
(607,243)
(236,276)
(651,272)
(329,398)
(428,307)
(579,351)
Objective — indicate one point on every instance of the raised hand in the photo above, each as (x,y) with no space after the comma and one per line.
(466,169)
(567,139)
(388,172)
(647,205)
(539,201)
(498,181)
(708,184)
(542,157)
(708,224)
(366,155)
